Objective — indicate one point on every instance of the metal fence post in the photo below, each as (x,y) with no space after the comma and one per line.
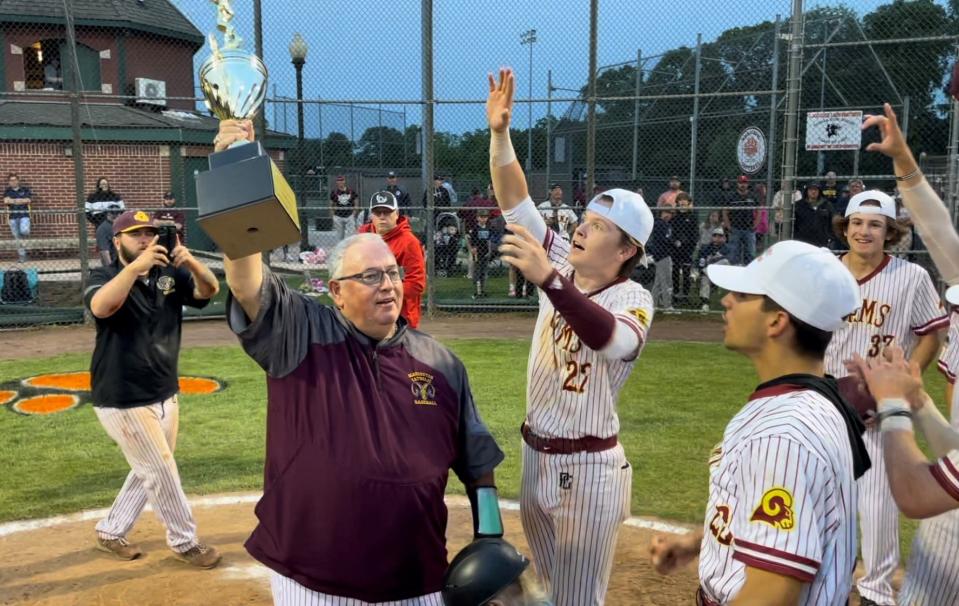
(591,101)
(793,87)
(426,16)
(639,81)
(773,103)
(951,194)
(77,146)
(694,127)
(549,128)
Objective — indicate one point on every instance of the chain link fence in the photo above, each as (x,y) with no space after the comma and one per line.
(101,110)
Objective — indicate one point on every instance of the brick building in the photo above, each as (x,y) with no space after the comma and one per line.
(135,66)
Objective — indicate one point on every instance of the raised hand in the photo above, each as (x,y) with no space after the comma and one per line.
(893,143)
(232,131)
(524,252)
(499,103)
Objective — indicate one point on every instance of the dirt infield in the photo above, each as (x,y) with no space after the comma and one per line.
(58,565)
(43,342)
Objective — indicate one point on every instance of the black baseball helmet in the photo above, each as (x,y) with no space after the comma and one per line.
(480,571)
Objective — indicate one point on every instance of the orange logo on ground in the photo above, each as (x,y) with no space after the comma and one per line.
(775,509)
(56,392)
(46,404)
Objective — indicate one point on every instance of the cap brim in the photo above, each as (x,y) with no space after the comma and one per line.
(136,227)
(952,294)
(734,278)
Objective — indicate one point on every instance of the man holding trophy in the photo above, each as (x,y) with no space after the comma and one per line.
(347,515)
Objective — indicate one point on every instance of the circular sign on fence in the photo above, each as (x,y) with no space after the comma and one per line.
(751,150)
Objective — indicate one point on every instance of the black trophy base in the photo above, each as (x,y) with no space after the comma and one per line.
(245,204)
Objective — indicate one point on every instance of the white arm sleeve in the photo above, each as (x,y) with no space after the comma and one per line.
(941,436)
(623,345)
(527,215)
(932,219)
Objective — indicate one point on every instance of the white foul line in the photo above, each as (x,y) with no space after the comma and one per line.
(10,528)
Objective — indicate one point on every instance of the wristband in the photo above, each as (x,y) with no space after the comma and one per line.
(487,518)
(909,176)
(891,404)
(895,420)
(501,151)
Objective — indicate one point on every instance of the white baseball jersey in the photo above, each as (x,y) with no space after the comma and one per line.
(782,498)
(932,573)
(571,390)
(899,304)
(560,218)
(949,358)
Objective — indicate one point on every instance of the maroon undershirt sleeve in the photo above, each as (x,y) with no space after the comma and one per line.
(593,324)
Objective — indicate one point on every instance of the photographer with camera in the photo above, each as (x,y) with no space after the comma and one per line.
(137,302)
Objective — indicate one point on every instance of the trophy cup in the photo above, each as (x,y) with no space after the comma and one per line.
(245,204)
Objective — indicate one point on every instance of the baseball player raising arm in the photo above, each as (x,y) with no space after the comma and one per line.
(780,525)
(591,327)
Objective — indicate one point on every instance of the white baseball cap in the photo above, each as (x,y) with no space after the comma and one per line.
(808,282)
(952,294)
(887,206)
(628,212)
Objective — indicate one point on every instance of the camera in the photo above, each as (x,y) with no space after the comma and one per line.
(168,237)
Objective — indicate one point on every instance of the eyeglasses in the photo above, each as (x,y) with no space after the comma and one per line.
(374,277)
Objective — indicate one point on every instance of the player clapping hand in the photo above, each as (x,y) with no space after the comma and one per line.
(670,554)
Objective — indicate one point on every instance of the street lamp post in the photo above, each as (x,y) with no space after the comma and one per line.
(529,38)
(298,50)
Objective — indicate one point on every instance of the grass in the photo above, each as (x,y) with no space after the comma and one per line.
(673,411)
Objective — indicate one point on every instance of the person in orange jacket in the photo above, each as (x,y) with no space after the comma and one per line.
(386,221)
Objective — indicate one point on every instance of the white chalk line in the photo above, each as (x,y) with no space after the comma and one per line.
(10,528)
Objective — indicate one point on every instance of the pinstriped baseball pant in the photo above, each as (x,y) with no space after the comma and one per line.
(932,575)
(287,592)
(147,437)
(572,507)
(879,522)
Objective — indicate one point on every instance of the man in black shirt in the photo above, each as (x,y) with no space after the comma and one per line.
(813,217)
(740,224)
(402,196)
(137,302)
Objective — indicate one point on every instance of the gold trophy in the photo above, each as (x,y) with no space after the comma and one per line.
(245,204)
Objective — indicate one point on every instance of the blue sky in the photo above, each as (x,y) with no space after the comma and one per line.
(370,49)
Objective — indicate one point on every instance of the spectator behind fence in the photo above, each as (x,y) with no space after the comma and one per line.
(172,215)
(396,232)
(839,206)
(104,235)
(779,202)
(102,199)
(675,186)
(738,221)
(760,217)
(17,199)
(830,188)
(479,239)
(346,208)
(713,253)
(402,196)
(660,248)
(813,217)
(685,238)
(468,218)
(445,184)
(725,194)
(713,220)
(558,215)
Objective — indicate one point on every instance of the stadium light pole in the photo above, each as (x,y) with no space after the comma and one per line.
(529,37)
(298,50)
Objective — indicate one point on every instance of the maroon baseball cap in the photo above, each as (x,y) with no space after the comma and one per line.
(742,179)
(131,220)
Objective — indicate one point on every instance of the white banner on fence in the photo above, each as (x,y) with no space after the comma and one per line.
(833,130)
